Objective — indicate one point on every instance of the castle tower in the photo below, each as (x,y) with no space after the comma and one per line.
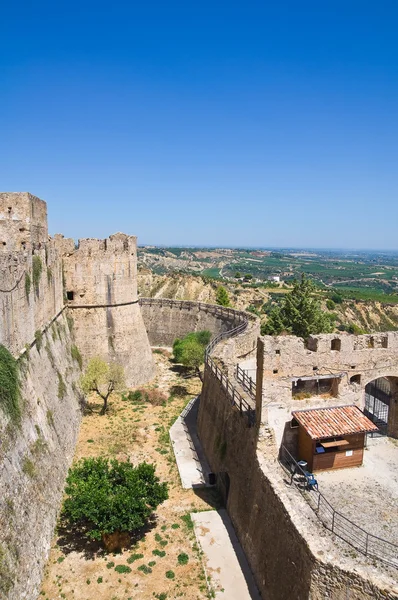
(101,291)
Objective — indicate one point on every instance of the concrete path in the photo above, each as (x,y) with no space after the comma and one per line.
(191,461)
(226,562)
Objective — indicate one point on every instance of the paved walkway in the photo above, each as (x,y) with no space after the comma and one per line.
(226,562)
(191,461)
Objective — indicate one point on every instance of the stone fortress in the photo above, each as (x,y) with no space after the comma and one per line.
(54,295)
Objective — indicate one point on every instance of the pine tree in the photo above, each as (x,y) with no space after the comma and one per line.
(299,313)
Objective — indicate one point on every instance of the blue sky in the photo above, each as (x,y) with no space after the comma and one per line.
(212,123)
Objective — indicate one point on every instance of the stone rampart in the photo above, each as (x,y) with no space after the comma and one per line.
(34,458)
(290,553)
(28,301)
(101,290)
(165,320)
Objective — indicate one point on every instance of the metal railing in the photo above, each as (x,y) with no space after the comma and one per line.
(366,543)
(240,320)
(246,381)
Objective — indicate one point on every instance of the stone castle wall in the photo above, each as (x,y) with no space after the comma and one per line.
(165,320)
(288,550)
(350,361)
(35,326)
(26,304)
(34,459)
(101,287)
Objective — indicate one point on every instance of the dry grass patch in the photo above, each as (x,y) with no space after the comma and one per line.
(137,429)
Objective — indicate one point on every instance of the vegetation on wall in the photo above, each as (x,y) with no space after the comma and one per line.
(190,350)
(103,378)
(39,339)
(75,353)
(9,385)
(28,284)
(104,497)
(299,313)
(37,268)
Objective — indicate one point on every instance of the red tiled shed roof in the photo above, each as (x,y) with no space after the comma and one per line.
(322,423)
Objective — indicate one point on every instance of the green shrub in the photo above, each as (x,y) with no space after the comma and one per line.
(110,564)
(104,496)
(133,557)
(161,596)
(170,574)
(145,569)
(183,558)
(190,350)
(330,305)
(160,553)
(75,352)
(37,268)
(9,385)
(122,569)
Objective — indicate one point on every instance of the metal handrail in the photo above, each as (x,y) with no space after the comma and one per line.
(246,381)
(363,541)
(242,320)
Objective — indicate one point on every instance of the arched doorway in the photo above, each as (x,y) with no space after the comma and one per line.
(378,398)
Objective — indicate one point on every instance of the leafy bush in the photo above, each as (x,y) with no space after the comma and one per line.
(133,557)
(122,569)
(183,558)
(145,569)
(107,496)
(170,574)
(190,350)
(160,553)
(9,385)
(330,305)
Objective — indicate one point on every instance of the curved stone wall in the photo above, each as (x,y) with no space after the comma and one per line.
(165,320)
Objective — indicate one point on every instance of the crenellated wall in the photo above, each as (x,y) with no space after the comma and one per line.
(101,288)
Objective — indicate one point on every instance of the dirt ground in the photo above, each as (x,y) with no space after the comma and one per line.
(79,569)
(368,495)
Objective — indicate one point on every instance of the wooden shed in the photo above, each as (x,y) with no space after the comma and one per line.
(332,438)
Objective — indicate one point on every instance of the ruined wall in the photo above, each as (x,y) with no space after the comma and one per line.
(356,360)
(34,458)
(101,286)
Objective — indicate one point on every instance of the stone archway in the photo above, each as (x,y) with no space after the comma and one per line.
(381,404)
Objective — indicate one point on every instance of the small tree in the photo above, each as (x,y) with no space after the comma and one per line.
(103,378)
(222,297)
(107,497)
(299,313)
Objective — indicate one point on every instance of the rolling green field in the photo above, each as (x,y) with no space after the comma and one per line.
(355,275)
